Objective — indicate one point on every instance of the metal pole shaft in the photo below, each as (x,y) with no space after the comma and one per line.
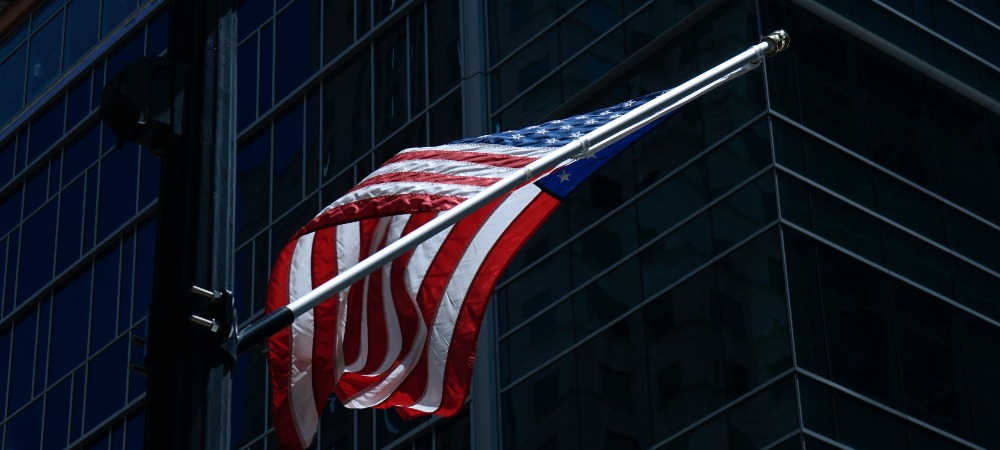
(589,143)
(190,358)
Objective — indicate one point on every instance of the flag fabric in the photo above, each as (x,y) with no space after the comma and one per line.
(405,335)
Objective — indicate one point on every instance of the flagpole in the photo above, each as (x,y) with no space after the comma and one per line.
(588,144)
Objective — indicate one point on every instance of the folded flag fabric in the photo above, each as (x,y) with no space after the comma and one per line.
(405,335)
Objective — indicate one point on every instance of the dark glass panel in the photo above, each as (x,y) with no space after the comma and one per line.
(418,66)
(391,107)
(735,217)
(542,411)
(611,378)
(712,434)
(57,402)
(137,356)
(514,23)
(81,153)
(13,40)
(765,417)
(136,424)
(336,426)
(12,71)
(981,355)
(313,150)
(157,32)
(525,69)
(442,36)
(750,307)
(128,52)
(44,60)
(685,352)
(90,209)
(262,269)
(38,251)
(42,344)
(284,228)
(672,201)
(297,37)
(145,251)
(532,106)
(25,429)
(677,254)
(106,380)
(265,67)
(338,28)
(36,190)
(46,129)
(655,18)
(413,135)
(250,396)
(13,245)
(253,184)
(346,116)
(608,297)
(807,312)
(383,8)
(114,12)
(82,20)
(605,243)
(535,288)
(119,176)
(76,416)
(598,60)
(446,119)
(917,260)
(125,288)
(251,14)
(456,434)
(972,238)
(5,340)
(540,340)
(389,426)
(149,177)
(7,160)
(22,356)
(243,282)
(104,310)
(246,81)
(928,334)
(287,165)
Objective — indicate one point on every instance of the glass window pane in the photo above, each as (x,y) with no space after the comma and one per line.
(22,357)
(37,262)
(12,71)
(119,175)
(114,12)
(45,60)
(297,38)
(253,183)
(287,167)
(71,316)
(106,380)
(82,20)
(542,412)
(105,299)
(25,429)
(57,416)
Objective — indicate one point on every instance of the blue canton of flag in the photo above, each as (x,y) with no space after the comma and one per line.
(557,133)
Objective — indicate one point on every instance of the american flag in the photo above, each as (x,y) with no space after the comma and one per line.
(405,335)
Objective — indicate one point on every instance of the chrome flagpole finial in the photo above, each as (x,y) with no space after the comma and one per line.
(777,41)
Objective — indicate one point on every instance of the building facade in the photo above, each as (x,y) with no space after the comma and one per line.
(807,257)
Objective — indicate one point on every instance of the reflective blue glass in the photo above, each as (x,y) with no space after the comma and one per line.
(71,317)
(42,345)
(22,356)
(145,250)
(106,381)
(25,430)
(297,38)
(118,189)
(45,61)
(114,12)
(37,262)
(12,71)
(57,408)
(105,299)
(82,21)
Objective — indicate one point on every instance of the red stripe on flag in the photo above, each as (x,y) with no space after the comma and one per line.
(279,353)
(324,267)
(426,177)
(462,349)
